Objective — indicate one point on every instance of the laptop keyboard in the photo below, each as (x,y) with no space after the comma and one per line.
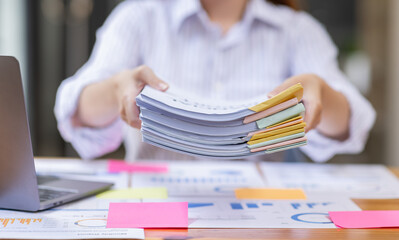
(49,194)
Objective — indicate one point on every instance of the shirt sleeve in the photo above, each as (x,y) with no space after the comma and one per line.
(314,52)
(116,48)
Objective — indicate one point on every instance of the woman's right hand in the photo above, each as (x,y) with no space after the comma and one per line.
(128,85)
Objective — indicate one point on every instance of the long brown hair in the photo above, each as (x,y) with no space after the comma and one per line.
(290,3)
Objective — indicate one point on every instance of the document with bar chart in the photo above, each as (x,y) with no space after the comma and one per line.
(367,181)
(233,213)
(202,178)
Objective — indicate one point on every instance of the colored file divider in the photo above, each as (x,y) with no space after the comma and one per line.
(269,193)
(295,91)
(116,166)
(273,141)
(280,144)
(281,116)
(277,131)
(148,215)
(365,219)
(284,124)
(286,147)
(270,111)
(135,193)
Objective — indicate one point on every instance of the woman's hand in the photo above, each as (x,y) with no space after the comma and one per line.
(101,103)
(128,84)
(326,109)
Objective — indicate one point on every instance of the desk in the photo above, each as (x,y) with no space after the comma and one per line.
(323,234)
(309,234)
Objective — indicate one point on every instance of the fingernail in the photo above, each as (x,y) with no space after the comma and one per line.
(163,86)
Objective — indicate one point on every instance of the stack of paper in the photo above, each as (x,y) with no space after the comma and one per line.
(222,130)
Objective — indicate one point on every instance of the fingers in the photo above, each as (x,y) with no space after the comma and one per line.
(147,77)
(129,112)
(130,84)
(286,84)
(275,91)
(311,97)
(312,114)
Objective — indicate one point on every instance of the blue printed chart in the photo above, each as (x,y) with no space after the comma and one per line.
(202,178)
(354,181)
(232,213)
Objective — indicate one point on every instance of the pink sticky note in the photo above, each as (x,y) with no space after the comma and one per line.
(115,166)
(365,219)
(148,215)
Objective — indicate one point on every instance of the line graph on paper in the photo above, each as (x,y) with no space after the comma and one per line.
(92,223)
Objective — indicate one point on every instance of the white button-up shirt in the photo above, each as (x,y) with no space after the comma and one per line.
(178,41)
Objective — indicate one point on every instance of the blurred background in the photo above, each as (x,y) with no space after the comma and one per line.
(54,38)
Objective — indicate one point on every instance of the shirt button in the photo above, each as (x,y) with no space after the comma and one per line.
(218,87)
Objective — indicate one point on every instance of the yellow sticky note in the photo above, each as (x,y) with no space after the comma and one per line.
(135,193)
(269,193)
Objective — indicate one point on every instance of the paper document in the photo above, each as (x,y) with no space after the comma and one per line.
(195,127)
(53,224)
(365,181)
(70,166)
(78,169)
(202,178)
(233,213)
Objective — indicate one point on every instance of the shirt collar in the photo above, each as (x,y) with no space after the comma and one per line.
(182,10)
(265,12)
(257,9)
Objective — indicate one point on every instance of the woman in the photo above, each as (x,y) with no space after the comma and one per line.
(218,49)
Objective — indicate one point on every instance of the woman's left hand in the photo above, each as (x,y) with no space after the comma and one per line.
(326,109)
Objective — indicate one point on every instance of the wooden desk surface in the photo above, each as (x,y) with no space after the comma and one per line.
(277,234)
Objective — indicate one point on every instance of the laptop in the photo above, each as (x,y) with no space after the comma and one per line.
(20,187)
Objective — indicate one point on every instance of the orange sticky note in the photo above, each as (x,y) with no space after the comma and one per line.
(269,193)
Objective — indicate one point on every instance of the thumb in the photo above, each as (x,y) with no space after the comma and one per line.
(278,89)
(148,77)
